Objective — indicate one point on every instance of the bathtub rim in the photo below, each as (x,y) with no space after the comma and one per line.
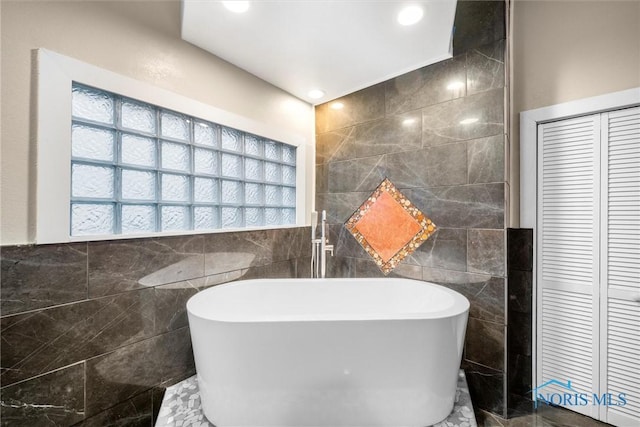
(459,307)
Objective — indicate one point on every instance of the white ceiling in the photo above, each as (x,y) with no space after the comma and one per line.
(336,46)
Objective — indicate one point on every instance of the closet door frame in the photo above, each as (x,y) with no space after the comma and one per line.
(529,121)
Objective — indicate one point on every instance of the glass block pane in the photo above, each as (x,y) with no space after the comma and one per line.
(92,219)
(231,217)
(253,145)
(253,169)
(205,190)
(272,195)
(231,192)
(136,150)
(231,165)
(174,126)
(231,139)
(92,143)
(92,181)
(288,216)
(205,161)
(175,218)
(288,196)
(273,216)
(139,117)
(93,105)
(138,185)
(289,175)
(205,134)
(175,156)
(138,218)
(288,154)
(272,172)
(206,218)
(272,150)
(253,193)
(253,217)
(175,188)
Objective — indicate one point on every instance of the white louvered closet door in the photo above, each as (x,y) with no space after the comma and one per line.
(568,256)
(620,278)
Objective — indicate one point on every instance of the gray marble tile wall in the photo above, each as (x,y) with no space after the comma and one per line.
(444,148)
(93,332)
(519,312)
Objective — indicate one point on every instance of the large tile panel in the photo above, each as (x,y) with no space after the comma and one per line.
(447,248)
(120,375)
(485,67)
(40,276)
(426,86)
(472,117)
(358,107)
(486,252)
(484,292)
(363,174)
(123,265)
(478,23)
(465,206)
(54,399)
(133,412)
(44,340)
(485,160)
(433,166)
(485,343)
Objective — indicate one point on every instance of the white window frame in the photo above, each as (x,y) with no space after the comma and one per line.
(56,73)
(529,121)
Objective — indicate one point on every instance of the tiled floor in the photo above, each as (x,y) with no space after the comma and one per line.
(181,407)
(544,416)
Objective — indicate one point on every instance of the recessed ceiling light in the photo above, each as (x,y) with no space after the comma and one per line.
(409,121)
(315,94)
(469,121)
(236,6)
(337,105)
(455,85)
(410,15)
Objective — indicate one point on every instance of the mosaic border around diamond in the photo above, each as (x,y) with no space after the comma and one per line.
(427,227)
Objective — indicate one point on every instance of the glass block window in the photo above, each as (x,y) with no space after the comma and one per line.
(137,168)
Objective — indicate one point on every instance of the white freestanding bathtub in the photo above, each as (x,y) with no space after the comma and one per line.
(327,352)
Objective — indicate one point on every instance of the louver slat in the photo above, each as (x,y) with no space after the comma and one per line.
(623,355)
(567,201)
(624,199)
(622,264)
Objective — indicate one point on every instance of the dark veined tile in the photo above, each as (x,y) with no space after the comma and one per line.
(44,340)
(485,159)
(433,166)
(38,276)
(485,67)
(447,249)
(358,107)
(463,206)
(484,343)
(128,371)
(53,399)
(486,253)
(133,412)
(435,83)
(461,119)
(123,265)
(478,23)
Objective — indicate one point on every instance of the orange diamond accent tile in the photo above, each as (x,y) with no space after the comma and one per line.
(389,227)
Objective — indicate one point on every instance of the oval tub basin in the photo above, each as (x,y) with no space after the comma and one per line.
(327,352)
